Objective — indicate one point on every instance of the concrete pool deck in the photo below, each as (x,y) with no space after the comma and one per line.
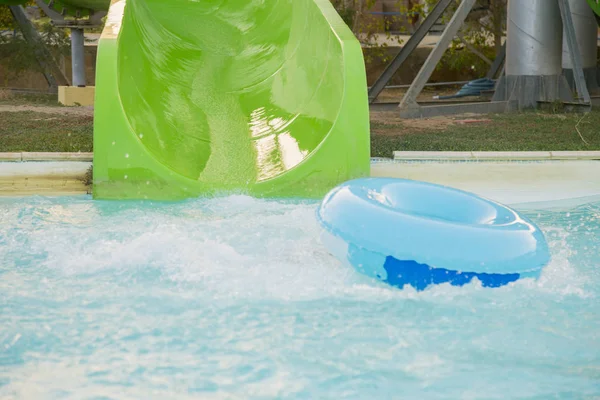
(510,178)
(507,182)
(48,178)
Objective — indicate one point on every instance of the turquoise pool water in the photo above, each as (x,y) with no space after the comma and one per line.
(236,298)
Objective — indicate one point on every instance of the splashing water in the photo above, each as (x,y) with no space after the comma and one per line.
(236,298)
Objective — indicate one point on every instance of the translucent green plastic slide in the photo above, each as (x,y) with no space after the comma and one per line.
(595,4)
(260,97)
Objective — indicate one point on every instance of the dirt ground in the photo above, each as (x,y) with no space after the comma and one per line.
(383,123)
(396,94)
(80,111)
(393,118)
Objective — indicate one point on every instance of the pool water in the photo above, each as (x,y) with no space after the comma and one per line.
(236,298)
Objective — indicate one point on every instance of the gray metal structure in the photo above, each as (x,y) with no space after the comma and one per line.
(530,64)
(534,55)
(78,57)
(406,51)
(409,108)
(52,72)
(586,31)
(498,64)
(574,52)
(534,38)
(77,27)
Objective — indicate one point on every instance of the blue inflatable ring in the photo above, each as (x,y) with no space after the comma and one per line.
(415,233)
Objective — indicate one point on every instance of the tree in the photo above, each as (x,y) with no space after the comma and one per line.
(17,55)
(480,38)
(478,42)
(372,32)
(6,19)
(7,22)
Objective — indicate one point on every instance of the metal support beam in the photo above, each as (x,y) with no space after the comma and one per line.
(498,63)
(94,20)
(78,57)
(54,16)
(484,107)
(408,48)
(576,61)
(410,98)
(52,72)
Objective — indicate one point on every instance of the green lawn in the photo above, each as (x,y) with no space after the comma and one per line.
(34,131)
(506,132)
(33,99)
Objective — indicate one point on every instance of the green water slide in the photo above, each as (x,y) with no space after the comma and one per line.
(595,4)
(265,98)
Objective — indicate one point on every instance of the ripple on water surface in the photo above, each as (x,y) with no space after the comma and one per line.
(236,298)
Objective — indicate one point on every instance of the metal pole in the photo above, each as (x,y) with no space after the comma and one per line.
(411,45)
(574,51)
(52,72)
(78,57)
(586,31)
(534,38)
(498,63)
(410,98)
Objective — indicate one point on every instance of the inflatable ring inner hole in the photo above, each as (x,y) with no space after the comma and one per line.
(434,202)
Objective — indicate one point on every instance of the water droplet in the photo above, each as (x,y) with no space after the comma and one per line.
(147,182)
(141,135)
(113,143)
(126,155)
(126,177)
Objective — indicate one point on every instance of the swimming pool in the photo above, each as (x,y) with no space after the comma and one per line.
(236,298)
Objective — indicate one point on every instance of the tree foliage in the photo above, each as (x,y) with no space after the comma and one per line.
(372,32)
(7,22)
(17,56)
(479,41)
(480,38)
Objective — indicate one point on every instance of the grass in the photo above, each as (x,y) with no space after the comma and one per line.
(7,98)
(528,131)
(88,178)
(32,132)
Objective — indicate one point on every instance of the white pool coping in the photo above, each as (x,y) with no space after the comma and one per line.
(507,182)
(523,180)
(28,156)
(398,155)
(496,155)
(43,169)
(51,178)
